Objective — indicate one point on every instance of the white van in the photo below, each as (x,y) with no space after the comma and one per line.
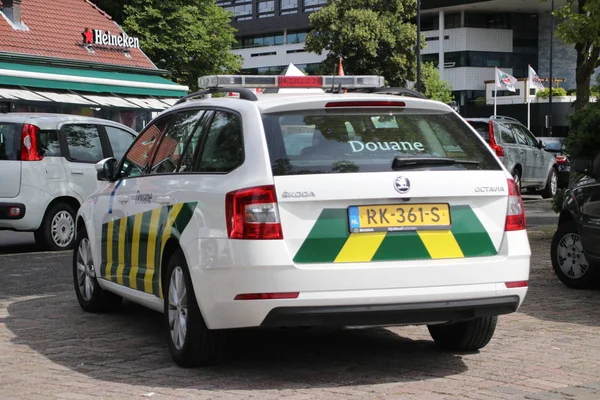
(47,171)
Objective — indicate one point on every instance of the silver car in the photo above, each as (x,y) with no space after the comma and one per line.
(521,153)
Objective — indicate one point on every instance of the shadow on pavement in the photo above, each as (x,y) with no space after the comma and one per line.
(130,347)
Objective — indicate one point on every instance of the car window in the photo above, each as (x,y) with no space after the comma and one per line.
(223,148)
(376,140)
(83,143)
(138,155)
(120,140)
(49,144)
(531,139)
(520,135)
(172,144)
(483,128)
(506,134)
(9,141)
(187,158)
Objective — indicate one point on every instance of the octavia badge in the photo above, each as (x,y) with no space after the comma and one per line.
(402,185)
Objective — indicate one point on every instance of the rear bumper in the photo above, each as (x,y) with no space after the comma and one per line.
(389,314)
(34,202)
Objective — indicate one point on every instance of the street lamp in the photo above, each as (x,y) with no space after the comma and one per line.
(419,45)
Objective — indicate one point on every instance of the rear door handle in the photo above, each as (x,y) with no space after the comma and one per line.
(123,199)
(164,199)
(76,172)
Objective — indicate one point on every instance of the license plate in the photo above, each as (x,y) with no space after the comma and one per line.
(398,217)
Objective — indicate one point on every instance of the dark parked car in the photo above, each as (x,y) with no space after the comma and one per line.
(556,146)
(575,252)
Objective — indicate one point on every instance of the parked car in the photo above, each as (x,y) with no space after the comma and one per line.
(47,171)
(556,147)
(575,252)
(521,153)
(394,212)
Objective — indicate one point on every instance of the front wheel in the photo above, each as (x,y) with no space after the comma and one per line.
(91,297)
(470,335)
(191,343)
(569,261)
(551,185)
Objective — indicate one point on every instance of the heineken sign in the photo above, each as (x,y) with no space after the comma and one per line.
(105,38)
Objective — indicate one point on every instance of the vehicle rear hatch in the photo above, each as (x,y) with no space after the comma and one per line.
(10,164)
(385,183)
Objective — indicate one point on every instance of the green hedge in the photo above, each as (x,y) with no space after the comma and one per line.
(556,92)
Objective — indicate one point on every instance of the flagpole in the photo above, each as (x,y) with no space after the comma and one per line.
(495,88)
(528,100)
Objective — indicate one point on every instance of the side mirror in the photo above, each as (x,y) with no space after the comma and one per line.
(541,144)
(582,166)
(106,169)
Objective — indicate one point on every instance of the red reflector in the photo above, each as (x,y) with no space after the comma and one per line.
(517,284)
(561,159)
(348,104)
(300,81)
(14,211)
(267,296)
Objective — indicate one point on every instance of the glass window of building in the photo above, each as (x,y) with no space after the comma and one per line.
(452,21)
(266,9)
(313,5)
(296,37)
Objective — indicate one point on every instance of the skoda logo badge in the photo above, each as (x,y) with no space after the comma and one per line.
(402,185)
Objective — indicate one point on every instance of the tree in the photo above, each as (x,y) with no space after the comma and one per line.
(372,36)
(580,25)
(433,86)
(190,38)
(114,8)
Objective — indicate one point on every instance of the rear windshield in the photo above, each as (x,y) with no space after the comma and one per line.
(553,144)
(318,141)
(482,128)
(9,141)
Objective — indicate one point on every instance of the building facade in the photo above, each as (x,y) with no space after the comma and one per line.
(68,56)
(465,39)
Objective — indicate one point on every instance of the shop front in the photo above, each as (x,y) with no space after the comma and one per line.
(70,57)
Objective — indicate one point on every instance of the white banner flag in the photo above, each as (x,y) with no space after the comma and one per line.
(505,81)
(534,80)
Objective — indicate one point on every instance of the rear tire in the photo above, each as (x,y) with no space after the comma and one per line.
(470,335)
(551,185)
(568,260)
(190,341)
(57,231)
(91,297)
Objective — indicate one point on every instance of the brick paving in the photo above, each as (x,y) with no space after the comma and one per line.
(49,348)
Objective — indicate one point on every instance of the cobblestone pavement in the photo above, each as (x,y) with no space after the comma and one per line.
(49,348)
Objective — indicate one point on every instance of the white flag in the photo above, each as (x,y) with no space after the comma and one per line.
(505,81)
(534,80)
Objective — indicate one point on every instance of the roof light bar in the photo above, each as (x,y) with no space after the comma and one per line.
(282,81)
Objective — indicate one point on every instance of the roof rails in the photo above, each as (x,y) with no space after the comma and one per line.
(504,118)
(392,90)
(245,94)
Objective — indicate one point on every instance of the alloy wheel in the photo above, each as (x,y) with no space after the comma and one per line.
(178,308)
(570,256)
(86,276)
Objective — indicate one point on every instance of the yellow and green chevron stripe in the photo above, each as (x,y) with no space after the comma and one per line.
(330,241)
(132,246)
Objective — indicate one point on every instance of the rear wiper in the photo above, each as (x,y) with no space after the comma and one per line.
(404,162)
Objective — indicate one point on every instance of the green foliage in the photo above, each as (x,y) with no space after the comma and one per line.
(583,140)
(556,92)
(433,86)
(190,38)
(372,36)
(114,8)
(580,26)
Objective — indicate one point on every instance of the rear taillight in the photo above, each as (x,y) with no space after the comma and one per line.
(561,160)
(515,216)
(495,146)
(252,214)
(29,143)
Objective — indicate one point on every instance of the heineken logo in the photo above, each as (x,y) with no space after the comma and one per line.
(505,80)
(105,38)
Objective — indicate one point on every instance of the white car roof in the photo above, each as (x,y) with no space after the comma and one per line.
(283,102)
(48,120)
